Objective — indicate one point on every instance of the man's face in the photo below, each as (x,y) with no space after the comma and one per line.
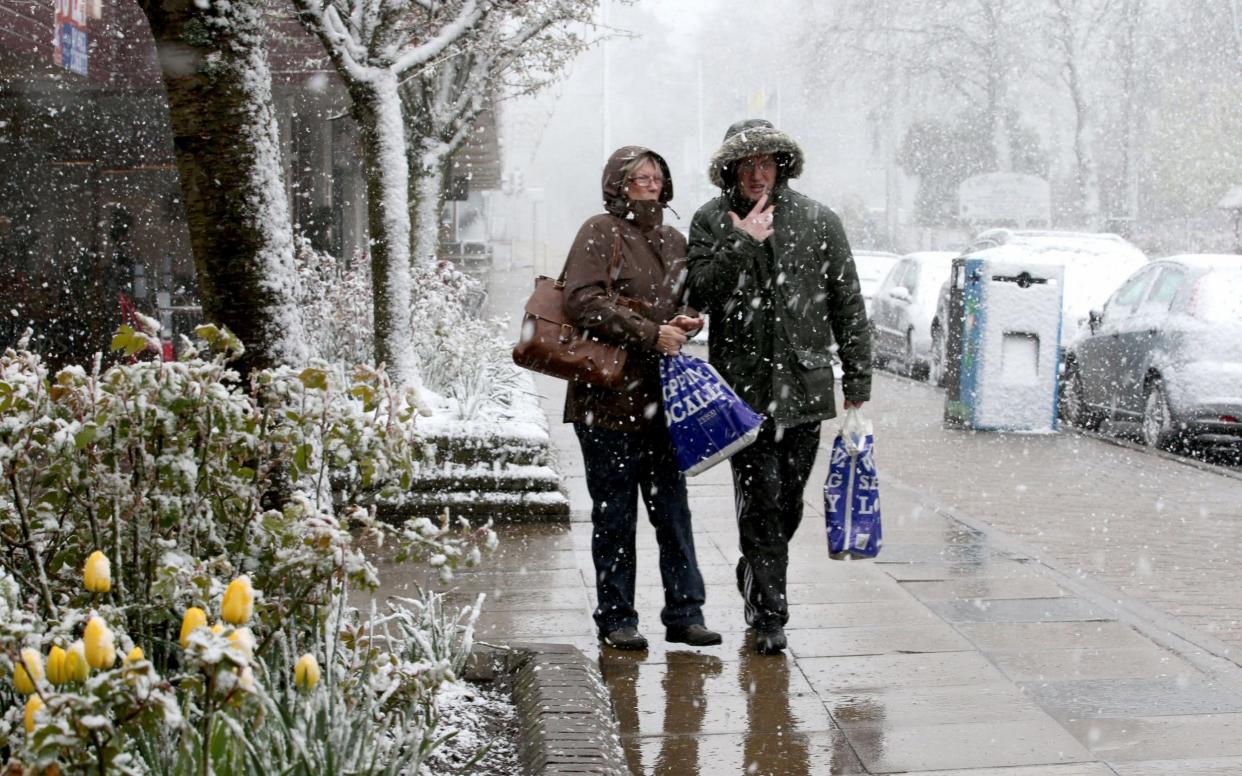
(756,175)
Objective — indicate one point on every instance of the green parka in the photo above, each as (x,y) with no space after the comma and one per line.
(775,307)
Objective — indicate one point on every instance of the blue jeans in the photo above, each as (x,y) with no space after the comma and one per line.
(619,465)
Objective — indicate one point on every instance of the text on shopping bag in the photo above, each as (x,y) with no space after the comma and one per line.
(852,497)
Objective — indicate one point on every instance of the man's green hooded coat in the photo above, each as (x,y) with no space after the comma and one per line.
(777,306)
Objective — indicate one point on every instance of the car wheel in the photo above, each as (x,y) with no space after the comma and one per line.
(936,370)
(918,370)
(1074,407)
(1159,433)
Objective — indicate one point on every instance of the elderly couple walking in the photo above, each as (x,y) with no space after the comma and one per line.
(773,270)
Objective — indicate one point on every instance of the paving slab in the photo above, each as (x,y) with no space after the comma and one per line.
(891,748)
(1180,695)
(1160,737)
(1054,665)
(825,753)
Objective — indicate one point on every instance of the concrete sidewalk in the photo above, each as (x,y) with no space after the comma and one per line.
(962,650)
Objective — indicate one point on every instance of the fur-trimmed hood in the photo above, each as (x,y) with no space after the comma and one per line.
(749,138)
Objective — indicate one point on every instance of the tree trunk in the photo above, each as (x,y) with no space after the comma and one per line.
(215,69)
(428,167)
(377,109)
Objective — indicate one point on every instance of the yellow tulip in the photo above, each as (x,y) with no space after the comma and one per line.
(56,673)
(76,667)
(28,672)
(243,640)
(100,644)
(306,672)
(98,573)
(194,619)
(33,704)
(135,655)
(238,604)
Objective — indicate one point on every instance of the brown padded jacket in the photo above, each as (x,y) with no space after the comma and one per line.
(652,271)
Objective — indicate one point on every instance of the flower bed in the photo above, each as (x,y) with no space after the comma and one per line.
(173,586)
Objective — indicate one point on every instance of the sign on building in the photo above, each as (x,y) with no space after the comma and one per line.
(70,50)
(1005,199)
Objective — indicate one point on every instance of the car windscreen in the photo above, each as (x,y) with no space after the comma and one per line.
(1218,297)
(872,270)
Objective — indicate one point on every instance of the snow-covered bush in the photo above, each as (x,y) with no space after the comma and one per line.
(460,356)
(133,494)
(335,303)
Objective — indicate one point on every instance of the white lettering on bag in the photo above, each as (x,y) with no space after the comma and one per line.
(682,402)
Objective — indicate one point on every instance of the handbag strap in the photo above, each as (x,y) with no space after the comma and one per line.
(614,266)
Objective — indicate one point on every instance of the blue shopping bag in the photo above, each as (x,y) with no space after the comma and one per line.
(852,492)
(706,419)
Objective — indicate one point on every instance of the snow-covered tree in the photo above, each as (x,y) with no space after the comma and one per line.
(374,45)
(1075,30)
(971,53)
(515,50)
(214,60)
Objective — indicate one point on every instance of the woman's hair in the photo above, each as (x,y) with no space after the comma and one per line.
(631,168)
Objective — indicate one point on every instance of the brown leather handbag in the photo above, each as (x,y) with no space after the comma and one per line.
(551,345)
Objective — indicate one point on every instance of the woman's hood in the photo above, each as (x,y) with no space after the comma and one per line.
(615,201)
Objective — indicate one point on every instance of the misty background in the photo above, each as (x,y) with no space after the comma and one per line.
(1129,108)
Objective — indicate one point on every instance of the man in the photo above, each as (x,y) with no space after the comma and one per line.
(773,269)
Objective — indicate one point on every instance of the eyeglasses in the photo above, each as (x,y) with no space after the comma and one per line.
(765,165)
(647,180)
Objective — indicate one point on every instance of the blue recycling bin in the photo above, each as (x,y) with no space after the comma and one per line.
(1003,345)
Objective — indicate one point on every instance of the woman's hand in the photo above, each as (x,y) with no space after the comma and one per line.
(670,340)
(758,222)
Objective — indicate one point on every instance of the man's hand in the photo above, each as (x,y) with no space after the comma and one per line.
(758,222)
(687,324)
(850,404)
(670,340)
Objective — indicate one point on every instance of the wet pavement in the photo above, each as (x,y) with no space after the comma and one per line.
(1043,606)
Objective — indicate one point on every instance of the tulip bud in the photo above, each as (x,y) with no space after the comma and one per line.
(238,604)
(306,672)
(56,673)
(77,669)
(100,644)
(243,640)
(135,655)
(194,619)
(28,672)
(33,704)
(97,575)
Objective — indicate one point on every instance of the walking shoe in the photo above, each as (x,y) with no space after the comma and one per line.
(627,637)
(770,642)
(695,635)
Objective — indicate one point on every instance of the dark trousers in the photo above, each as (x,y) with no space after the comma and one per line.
(768,479)
(618,466)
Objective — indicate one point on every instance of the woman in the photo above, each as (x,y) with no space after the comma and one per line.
(625,443)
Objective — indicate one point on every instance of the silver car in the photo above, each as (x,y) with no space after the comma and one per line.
(872,266)
(1164,354)
(902,311)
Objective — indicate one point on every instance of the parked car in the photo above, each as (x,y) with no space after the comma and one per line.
(903,308)
(872,267)
(1165,354)
(1095,263)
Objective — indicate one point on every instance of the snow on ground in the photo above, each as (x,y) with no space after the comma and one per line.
(482,716)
